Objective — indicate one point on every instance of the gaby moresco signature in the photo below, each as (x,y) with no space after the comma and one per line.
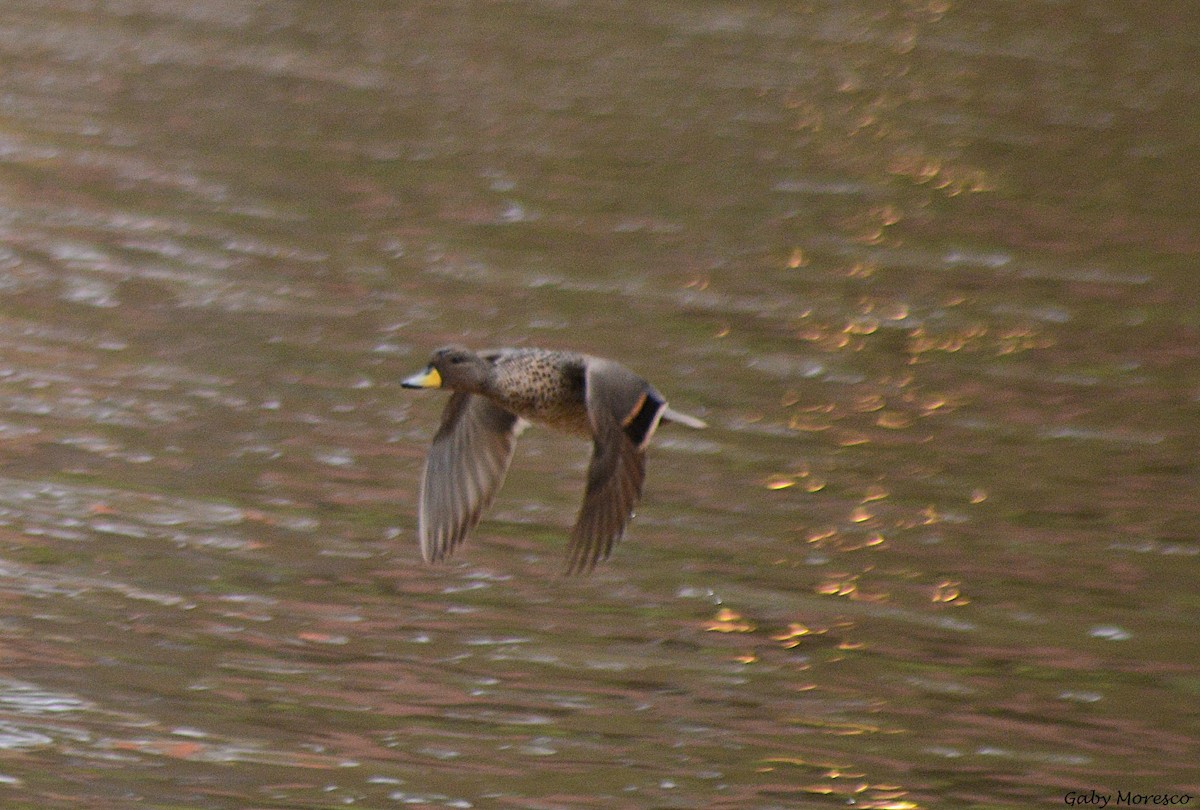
(1124,798)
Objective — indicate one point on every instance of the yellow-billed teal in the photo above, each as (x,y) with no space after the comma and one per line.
(496,394)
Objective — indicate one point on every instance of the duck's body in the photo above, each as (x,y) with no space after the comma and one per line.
(496,393)
(541,386)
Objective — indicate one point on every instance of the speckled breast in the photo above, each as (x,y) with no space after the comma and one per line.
(546,387)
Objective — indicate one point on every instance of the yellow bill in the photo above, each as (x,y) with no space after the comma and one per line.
(429,378)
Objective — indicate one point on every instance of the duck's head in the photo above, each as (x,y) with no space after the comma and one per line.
(453,367)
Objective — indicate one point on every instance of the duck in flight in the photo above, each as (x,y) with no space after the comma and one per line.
(496,394)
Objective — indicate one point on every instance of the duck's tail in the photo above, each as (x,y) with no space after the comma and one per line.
(683,419)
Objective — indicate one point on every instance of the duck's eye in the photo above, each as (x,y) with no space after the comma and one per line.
(457,360)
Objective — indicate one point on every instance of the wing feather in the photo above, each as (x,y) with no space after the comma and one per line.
(465,467)
(617,469)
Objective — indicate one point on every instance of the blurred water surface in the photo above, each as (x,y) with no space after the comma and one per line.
(928,268)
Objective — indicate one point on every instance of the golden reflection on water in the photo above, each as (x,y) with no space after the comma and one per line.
(777,482)
(893,420)
(842,780)
(979,337)
(791,637)
(729,621)
(860,514)
(813,483)
(872,540)
(852,438)
(875,493)
(808,422)
(863,325)
(839,585)
(848,784)
(948,592)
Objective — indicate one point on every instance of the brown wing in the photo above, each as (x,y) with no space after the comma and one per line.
(618,402)
(465,467)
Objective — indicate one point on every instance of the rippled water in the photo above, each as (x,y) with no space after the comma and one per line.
(928,269)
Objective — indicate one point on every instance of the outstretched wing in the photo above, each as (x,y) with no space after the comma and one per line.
(466,465)
(623,410)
